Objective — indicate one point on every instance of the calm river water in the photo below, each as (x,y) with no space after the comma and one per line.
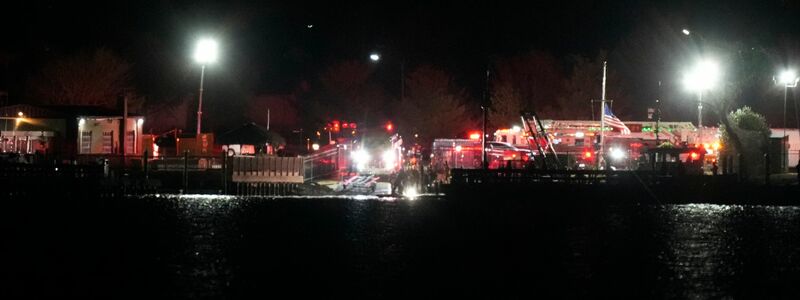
(227,247)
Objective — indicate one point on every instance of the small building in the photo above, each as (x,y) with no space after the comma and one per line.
(69,131)
(791,153)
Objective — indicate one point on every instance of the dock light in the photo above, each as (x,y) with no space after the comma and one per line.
(458,148)
(410,192)
(81,122)
(686,31)
(360,157)
(374,57)
(617,154)
(20,114)
(315,146)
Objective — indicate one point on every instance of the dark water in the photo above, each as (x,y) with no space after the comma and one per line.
(221,247)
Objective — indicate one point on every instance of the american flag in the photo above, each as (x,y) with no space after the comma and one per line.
(613,121)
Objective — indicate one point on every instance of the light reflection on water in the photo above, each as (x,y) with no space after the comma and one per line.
(681,251)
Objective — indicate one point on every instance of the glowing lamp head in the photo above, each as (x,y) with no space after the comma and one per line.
(458,148)
(375,57)
(475,136)
(686,31)
(389,127)
(20,114)
(315,146)
(206,51)
(702,77)
(788,78)
(81,122)
(579,134)
(139,122)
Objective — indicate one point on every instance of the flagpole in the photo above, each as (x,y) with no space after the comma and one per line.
(602,117)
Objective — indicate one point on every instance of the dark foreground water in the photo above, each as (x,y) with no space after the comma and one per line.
(222,247)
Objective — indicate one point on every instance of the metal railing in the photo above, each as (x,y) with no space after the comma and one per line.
(324,164)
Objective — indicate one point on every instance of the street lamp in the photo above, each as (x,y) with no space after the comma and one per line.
(702,77)
(205,53)
(788,79)
(374,57)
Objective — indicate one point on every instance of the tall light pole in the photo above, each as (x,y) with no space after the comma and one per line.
(205,53)
(788,79)
(702,77)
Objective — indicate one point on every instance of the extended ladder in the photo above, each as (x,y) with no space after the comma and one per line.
(533,126)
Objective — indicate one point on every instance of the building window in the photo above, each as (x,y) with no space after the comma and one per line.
(86,141)
(129,142)
(108,141)
(578,141)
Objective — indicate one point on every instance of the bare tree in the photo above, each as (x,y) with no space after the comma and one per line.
(434,105)
(506,106)
(348,92)
(97,78)
(535,78)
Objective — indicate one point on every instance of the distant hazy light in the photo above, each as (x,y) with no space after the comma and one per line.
(703,76)
(686,31)
(206,51)
(617,154)
(315,146)
(310,26)
(374,57)
(787,77)
(579,134)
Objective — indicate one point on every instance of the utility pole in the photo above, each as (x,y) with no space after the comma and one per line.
(484,108)
(602,118)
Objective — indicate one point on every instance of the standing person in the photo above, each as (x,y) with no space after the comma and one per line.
(714,168)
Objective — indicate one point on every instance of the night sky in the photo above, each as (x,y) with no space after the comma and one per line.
(270,47)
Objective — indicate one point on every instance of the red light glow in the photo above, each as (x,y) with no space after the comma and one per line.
(475,136)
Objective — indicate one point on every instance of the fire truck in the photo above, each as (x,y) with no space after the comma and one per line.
(579,140)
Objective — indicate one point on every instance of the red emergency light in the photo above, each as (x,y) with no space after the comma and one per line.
(475,136)
(587,154)
(694,155)
(389,127)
